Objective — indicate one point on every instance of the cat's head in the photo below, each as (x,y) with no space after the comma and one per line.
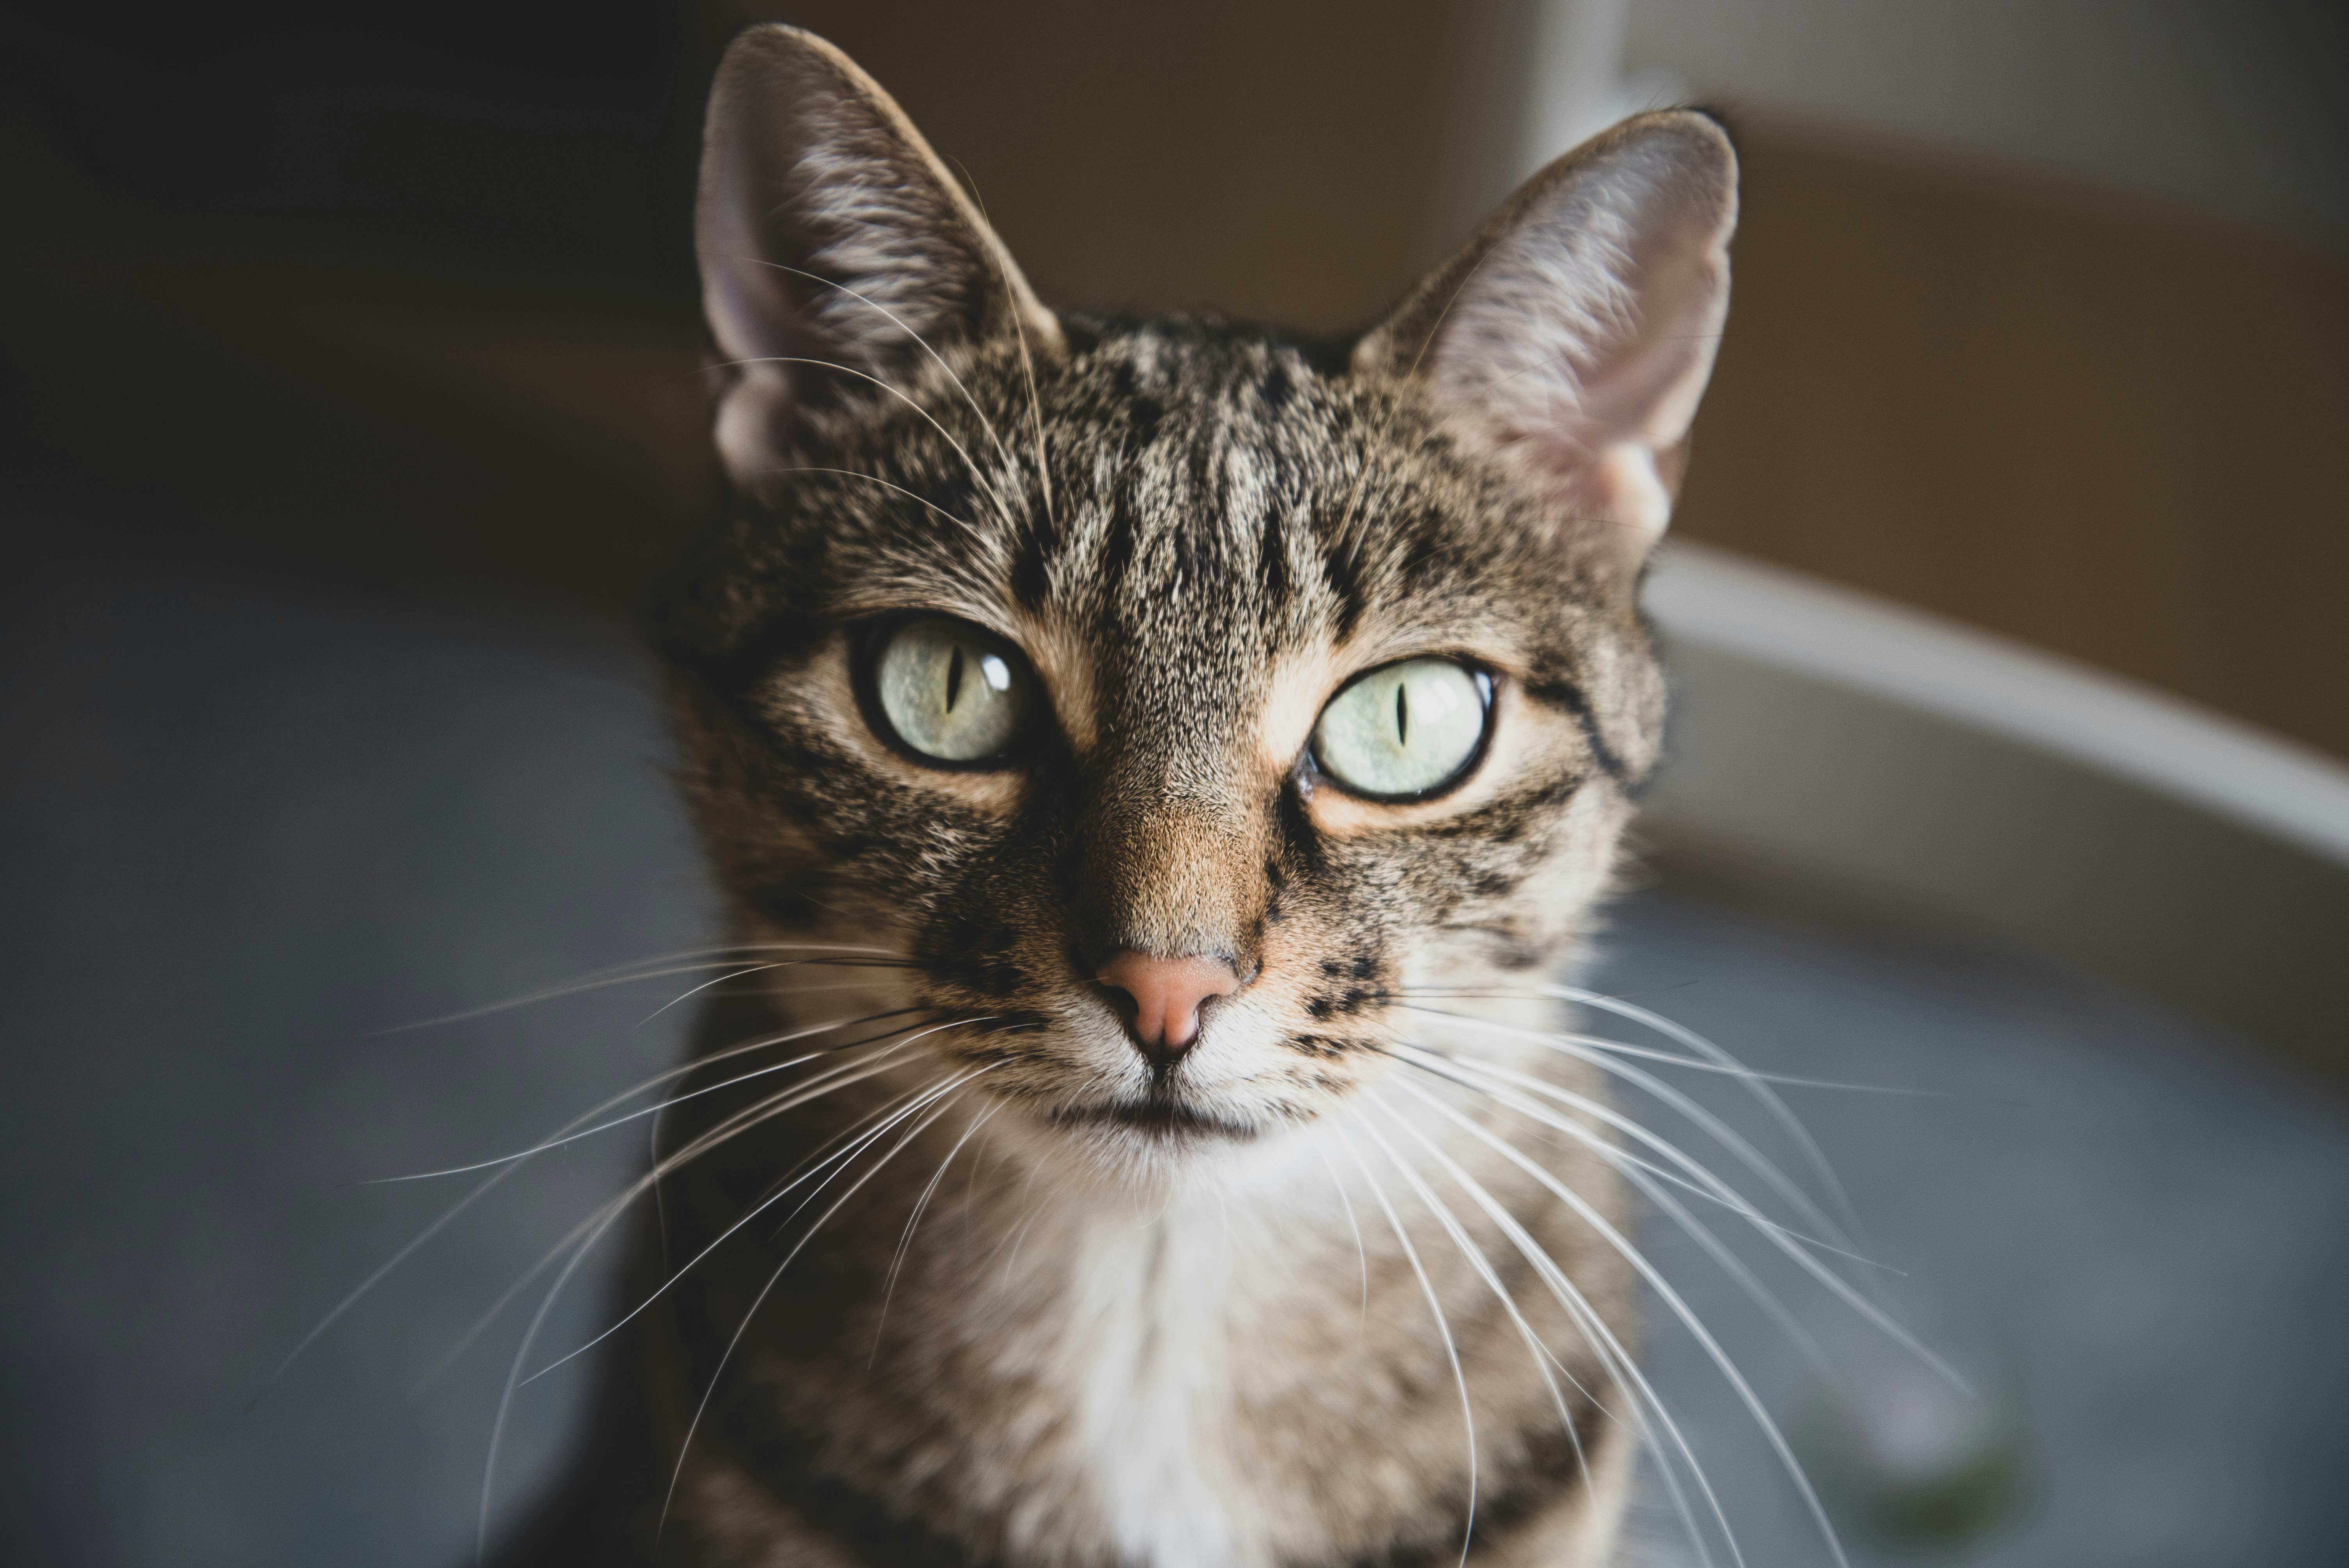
(1183,701)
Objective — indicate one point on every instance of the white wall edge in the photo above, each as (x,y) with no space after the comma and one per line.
(1773,616)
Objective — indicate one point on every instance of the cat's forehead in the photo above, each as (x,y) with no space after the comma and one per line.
(1188,529)
(1212,500)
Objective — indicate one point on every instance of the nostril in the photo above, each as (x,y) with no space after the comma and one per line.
(1129,1007)
(1166,994)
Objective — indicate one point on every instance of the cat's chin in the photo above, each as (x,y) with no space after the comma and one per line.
(1157,1118)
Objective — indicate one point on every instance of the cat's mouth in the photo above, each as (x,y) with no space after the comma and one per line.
(1157,1114)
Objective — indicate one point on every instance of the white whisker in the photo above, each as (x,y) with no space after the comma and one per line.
(1672,1058)
(1474,1255)
(621,1120)
(530,1337)
(1442,1328)
(839,1158)
(906,1239)
(1027,361)
(873,478)
(1036,412)
(719,1372)
(505,1398)
(687,995)
(449,1216)
(1361,1253)
(660,1193)
(1720,1131)
(632,974)
(1638,1172)
(1671,1298)
(1788,1120)
(899,323)
(1614,1357)
(1714,1188)
(601,1224)
(975,471)
(600,1220)
(1718,1193)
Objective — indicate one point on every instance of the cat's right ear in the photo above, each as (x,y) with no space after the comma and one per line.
(1574,335)
(837,254)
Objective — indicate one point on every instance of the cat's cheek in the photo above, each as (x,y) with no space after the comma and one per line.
(1258,1064)
(1301,991)
(1551,907)
(993,794)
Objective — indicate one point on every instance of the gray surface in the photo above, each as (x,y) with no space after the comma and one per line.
(254,815)
(2154,1233)
(251,817)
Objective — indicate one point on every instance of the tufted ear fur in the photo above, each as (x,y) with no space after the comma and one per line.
(1576,330)
(829,232)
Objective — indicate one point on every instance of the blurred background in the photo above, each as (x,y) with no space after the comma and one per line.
(348,397)
(2040,321)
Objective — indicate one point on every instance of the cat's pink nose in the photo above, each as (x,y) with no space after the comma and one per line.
(1167,995)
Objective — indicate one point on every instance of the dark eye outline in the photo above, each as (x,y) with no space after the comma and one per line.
(868,639)
(1485,691)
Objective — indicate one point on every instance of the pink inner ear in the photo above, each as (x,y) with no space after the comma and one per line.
(1613,502)
(750,413)
(831,235)
(1629,498)
(1582,341)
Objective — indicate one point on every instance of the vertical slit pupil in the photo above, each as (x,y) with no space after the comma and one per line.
(954,678)
(1402,714)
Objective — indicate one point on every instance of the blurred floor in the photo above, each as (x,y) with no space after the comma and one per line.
(254,815)
(255,812)
(2119,1210)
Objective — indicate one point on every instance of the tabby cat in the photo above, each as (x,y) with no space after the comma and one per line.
(1162,772)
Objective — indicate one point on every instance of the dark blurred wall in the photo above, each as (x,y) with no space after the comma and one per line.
(402,289)
(411,289)
(523,128)
(1283,161)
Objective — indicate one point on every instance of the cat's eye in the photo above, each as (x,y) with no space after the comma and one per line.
(949,691)
(1404,730)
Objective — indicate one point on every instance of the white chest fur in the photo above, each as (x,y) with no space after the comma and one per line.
(1157,1325)
(1150,1363)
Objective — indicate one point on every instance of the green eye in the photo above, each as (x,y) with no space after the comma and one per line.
(1405,730)
(950,691)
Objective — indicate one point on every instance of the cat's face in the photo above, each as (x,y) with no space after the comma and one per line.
(1232,539)
(1033,648)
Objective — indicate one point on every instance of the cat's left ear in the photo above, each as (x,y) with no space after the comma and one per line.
(1576,330)
(837,254)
